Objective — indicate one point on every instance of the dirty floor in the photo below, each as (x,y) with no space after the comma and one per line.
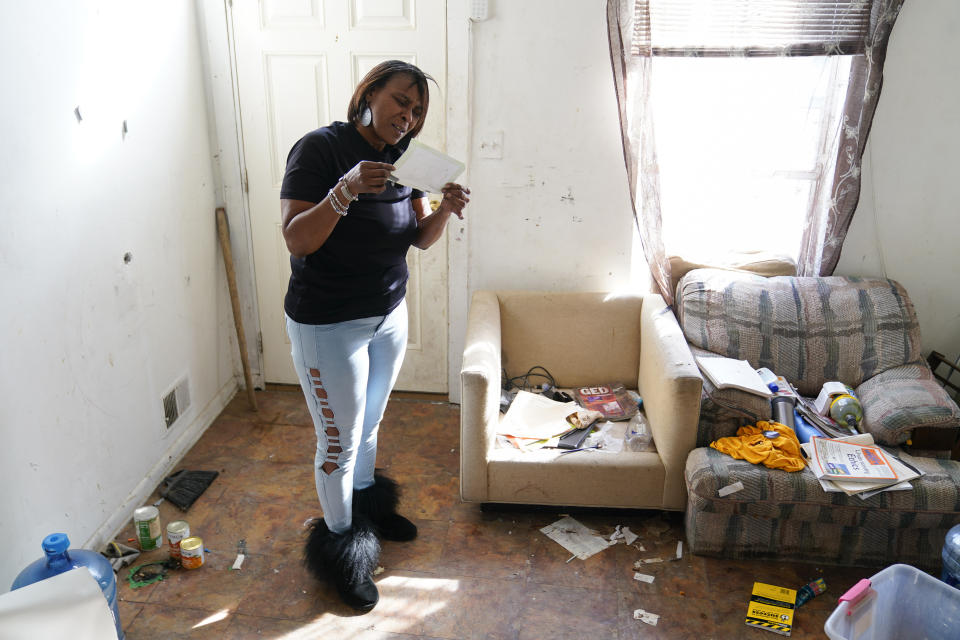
(469,574)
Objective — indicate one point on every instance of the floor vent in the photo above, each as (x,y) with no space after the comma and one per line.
(176,402)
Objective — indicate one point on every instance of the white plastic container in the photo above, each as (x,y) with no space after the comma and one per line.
(908,604)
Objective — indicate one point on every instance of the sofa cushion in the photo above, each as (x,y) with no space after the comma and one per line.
(902,399)
(581,338)
(788,514)
(809,330)
(762,263)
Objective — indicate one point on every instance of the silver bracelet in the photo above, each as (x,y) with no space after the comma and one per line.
(335,202)
(346,190)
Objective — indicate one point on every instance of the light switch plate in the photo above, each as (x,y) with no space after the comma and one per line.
(479,10)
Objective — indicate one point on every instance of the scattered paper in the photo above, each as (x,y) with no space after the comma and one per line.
(643,577)
(730,488)
(425,168)
(575,537)
(535,416)
(623,533)
(640,563)
(646,616)
(238,562)
(679,549)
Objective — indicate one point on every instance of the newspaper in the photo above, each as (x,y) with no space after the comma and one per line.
(863,489)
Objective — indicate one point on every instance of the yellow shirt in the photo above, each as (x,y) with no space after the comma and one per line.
(750,444)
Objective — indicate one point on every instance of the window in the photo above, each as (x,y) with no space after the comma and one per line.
(741,143)
(744,122)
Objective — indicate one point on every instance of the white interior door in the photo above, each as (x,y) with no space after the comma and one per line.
(298,62)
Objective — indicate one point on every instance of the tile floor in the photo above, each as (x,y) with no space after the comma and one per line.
(469,574)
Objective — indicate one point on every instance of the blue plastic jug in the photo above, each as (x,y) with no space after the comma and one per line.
(60,558)
(951,557)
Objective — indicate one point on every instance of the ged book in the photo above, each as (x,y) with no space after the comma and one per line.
(611,400)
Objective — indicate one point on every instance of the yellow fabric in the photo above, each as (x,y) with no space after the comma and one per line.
(782,452)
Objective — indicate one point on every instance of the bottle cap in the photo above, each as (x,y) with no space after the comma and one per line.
(56,543)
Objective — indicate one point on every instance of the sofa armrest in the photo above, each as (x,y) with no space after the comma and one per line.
(903,400)
(670,383)
(479,394)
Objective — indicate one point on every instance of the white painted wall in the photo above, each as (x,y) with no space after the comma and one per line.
(907,224)
(91,343)
(553,213)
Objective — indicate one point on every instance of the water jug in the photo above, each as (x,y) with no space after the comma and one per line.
(846,410)
(951,557)
(60,558)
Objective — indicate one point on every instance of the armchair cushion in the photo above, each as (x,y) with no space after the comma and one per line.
(808,330)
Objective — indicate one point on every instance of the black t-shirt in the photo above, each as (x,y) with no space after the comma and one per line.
(361,270)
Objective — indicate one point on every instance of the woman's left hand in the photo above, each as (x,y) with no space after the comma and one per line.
(455,198)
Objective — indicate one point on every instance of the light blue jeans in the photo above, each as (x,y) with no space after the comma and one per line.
(347,370)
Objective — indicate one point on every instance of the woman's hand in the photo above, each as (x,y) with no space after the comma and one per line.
(368,177)
(455,198)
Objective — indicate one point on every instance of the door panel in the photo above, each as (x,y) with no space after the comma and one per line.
(298,62)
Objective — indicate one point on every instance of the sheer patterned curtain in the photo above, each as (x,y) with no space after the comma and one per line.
(837,199)
(642,30)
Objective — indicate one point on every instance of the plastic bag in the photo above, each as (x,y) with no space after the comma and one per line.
(608,435)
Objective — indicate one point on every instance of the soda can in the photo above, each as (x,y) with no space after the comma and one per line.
(176,532)
(146,520)
(191,552)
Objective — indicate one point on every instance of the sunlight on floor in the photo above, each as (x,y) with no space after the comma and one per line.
(216,617)
(400,597)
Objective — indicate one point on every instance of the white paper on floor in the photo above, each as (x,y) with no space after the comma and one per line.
(643,577)
(646,616)
(576,538)
(640,563)
(623,533)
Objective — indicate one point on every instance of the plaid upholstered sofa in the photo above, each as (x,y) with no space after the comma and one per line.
(862,332)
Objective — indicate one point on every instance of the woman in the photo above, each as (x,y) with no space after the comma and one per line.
(348,230)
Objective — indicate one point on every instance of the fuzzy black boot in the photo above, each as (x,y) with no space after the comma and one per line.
(347,559)
(379,503)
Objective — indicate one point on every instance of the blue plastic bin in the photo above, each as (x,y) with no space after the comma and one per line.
(908,604)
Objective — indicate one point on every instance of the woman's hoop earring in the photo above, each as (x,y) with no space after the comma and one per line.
(366,116)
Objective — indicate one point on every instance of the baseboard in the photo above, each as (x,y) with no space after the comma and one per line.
(165,464)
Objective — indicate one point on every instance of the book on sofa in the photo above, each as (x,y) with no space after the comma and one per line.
(730,373)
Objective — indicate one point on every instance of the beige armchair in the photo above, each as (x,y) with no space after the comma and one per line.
(582,339)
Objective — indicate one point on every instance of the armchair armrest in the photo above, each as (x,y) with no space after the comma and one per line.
(670,383)
(479,394)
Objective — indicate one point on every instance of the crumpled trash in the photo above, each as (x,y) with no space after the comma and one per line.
(120,555)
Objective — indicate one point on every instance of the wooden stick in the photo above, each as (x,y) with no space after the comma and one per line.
(224,233)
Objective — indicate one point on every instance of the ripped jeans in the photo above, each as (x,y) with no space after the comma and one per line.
(347,370)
